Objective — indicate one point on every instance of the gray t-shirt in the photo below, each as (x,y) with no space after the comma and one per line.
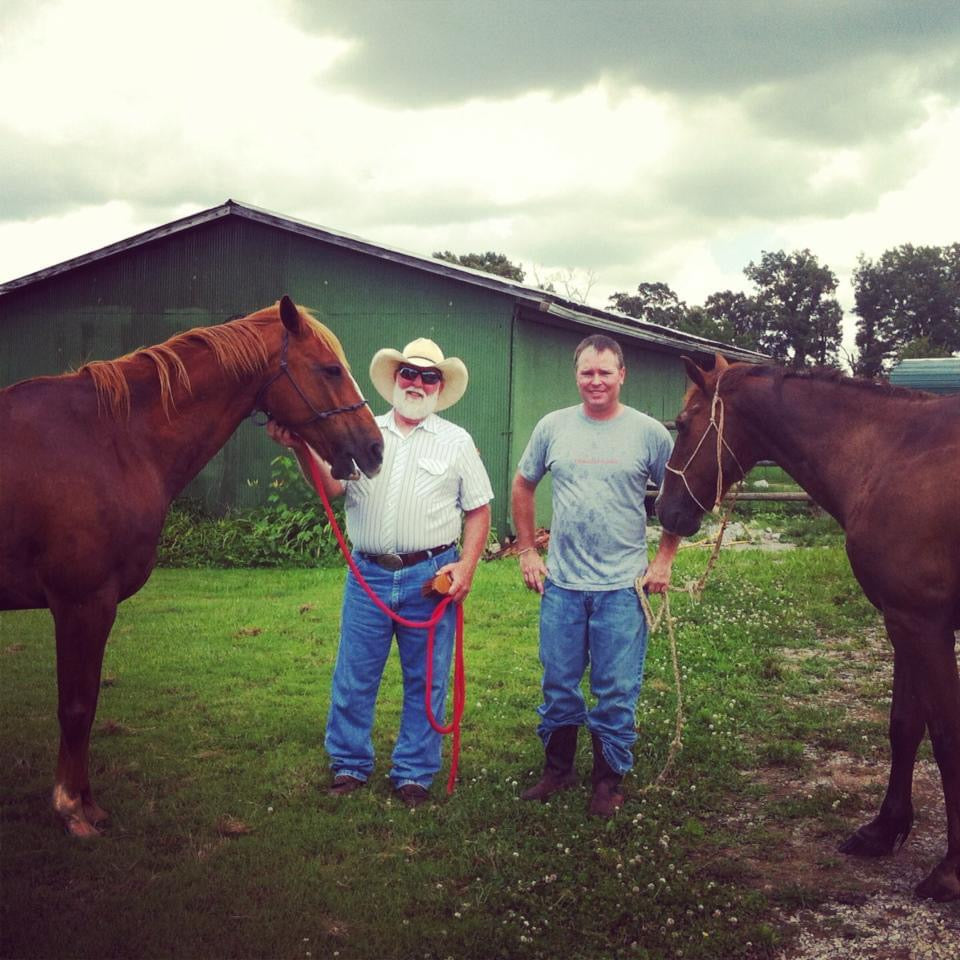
(599,470)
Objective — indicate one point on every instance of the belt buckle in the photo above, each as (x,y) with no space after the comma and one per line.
(390,561)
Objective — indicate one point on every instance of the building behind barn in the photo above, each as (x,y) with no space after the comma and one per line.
(516,340)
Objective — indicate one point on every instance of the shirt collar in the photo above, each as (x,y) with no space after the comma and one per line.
(431,424)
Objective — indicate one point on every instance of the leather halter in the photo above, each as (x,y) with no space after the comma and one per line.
(716,423)
(259,407)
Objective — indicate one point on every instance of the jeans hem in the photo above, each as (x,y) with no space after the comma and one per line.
(397,784)
(347,772)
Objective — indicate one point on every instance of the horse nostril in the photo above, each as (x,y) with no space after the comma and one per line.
(376,450)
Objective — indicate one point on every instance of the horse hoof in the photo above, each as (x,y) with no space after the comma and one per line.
(80,827)
(95,814)
(863,844)
(942,885)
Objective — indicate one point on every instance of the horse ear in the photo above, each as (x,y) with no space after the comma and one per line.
(720,362)
(289,314)
(695,373)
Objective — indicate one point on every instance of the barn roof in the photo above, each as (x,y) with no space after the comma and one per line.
(550,304)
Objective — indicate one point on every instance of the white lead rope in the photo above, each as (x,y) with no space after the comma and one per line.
(695,589)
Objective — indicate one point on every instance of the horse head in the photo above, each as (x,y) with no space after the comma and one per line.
(309,389)
(703,464)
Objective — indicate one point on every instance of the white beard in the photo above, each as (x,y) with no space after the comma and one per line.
(413,403)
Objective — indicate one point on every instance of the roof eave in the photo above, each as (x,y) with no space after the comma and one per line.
(534,297)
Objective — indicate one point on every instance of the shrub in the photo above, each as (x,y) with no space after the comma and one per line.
(290,531)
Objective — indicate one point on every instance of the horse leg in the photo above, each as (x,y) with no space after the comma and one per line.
(940,694)
(887,831)
(82,628)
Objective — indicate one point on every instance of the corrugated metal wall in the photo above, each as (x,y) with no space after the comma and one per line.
(232,266)
(933,374)
(373,303)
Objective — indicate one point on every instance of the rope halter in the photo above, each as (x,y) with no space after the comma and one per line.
(716,423)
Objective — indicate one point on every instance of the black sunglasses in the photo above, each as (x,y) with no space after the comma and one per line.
(428,377)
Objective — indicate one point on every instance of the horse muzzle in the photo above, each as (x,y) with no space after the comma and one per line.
(347,466)
(684,521)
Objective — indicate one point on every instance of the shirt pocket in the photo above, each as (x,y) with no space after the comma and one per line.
(433,478)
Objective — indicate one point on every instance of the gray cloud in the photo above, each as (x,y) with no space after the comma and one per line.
(850,103)
(758,100)
(421,52)
(41,179)
(755,179)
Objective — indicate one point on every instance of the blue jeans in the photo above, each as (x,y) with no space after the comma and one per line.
(607,631)
(366,635)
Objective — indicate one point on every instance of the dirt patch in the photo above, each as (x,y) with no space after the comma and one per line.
(837,906)
(865,908)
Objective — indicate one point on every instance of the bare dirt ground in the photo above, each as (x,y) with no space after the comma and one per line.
(870,911)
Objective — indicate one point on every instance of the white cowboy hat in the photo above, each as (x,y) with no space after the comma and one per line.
(425,354)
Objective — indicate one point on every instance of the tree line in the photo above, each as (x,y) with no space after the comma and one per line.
(907,304)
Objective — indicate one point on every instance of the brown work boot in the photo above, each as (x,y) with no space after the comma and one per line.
(343,784)
(558,771)
(607,796)
(412,795)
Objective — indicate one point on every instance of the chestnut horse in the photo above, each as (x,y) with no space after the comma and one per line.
(90,462)
(885,462)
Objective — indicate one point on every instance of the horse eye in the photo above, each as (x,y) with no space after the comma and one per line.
(334,370)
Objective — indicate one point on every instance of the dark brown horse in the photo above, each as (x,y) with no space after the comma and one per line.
(884,462)
(90,461)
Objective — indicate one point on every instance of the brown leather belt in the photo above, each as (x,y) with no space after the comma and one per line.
(396,561)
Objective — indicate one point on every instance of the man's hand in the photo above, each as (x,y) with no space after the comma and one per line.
(476,529)
(657,577)
(533,570)
(532,567)
(305,454)
(461,579)
(281,435)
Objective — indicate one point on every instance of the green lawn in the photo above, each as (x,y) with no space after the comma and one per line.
(207,751)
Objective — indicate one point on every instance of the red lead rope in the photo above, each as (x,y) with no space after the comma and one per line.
(459,672)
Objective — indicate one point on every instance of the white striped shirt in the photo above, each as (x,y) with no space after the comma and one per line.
(416,501)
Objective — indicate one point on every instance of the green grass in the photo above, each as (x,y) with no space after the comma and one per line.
(215,690)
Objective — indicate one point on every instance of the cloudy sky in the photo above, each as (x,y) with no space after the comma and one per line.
(601,143)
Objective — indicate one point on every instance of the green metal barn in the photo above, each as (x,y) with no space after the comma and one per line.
(516,340)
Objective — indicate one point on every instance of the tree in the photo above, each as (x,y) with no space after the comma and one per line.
(737,319)
(572,283)
(801,315)
(726,317)
(653,302)
(908,303)
(919,348)
(489,262)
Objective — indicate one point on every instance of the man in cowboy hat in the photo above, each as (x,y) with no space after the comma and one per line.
(404,525)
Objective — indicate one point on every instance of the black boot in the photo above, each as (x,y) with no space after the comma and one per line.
(607,796)
(558,771)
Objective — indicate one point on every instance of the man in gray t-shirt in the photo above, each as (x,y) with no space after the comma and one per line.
(600,455)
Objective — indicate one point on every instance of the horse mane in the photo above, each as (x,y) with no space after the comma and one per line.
(238,346)
(821,374)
